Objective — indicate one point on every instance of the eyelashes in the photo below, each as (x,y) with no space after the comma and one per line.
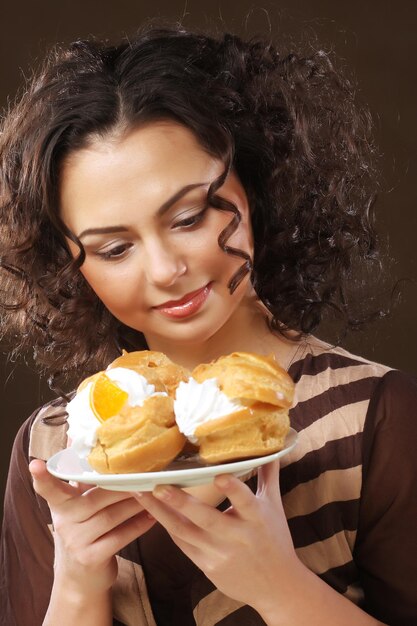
(114,253)
(193,220)
(120,250)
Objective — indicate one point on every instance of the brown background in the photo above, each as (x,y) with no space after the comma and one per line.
(376,41)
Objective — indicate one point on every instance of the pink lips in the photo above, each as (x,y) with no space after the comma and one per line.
(188,305)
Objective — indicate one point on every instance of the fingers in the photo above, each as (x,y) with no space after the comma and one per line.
(96,499)
(197,525)
(81,545)
(60,495)
(268,479)
(186,518)
(167,505)
(239,494)
(181,514)
(112,516)
(90,524)
(191,509)
(52,489)
(81,487)
(112,542)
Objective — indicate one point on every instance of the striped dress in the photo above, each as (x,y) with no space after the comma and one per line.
(348,490)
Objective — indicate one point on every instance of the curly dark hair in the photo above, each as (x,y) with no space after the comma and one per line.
(287,123)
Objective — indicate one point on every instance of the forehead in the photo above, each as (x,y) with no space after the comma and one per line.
(145,166)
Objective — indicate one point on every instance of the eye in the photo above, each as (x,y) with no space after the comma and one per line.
(193,220)
(116,252)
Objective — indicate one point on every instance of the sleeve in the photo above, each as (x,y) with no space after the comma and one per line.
(26,548)
(386,545)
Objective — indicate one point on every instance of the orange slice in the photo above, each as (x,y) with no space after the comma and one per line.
(106,397)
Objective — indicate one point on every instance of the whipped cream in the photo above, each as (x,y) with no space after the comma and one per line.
(196,403)
(83,423)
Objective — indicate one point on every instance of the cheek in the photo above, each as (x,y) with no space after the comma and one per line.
(240,238)
(114,291)
(207,257)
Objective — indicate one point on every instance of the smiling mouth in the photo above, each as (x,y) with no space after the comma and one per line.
(187,305)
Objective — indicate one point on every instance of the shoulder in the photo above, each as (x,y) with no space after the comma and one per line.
(48,433)
(349,394)
(36,438)
(316,356)
(396,391)
(321,368)
(42,434)
(391,424)
(333,388)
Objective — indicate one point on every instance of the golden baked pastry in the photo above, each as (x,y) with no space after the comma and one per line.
(147,438)
(156,367)
(249,376)
(264,391)
(136,438)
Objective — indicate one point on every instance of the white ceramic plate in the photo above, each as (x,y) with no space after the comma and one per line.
(68,466)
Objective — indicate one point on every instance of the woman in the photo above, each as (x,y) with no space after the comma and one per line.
(197,196)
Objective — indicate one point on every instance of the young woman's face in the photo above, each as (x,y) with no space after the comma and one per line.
(152,253)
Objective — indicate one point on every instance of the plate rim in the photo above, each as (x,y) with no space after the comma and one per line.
(192,472)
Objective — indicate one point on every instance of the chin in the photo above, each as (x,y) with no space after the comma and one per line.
(188,336)
(196,330)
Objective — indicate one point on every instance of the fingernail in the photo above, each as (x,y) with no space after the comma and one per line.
(222,481)
(163,493)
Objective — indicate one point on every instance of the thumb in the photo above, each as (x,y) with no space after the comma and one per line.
(53,490)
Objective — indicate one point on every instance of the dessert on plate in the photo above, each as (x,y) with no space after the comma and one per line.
(235,407)
(122,419)
(142,411)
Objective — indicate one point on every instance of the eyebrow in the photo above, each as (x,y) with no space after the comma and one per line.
(162,209)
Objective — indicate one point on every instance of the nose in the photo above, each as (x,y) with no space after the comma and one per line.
(163,264)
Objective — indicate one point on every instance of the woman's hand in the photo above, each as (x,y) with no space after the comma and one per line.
(90,526)
(247,551)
